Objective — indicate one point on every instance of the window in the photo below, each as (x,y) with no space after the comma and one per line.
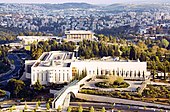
(63,77)
(67,76)
(55,77)
(38,76)
(42,77)
(33,77)
(59,77)
(46,77)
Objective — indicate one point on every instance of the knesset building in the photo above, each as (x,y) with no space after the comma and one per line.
(60,66)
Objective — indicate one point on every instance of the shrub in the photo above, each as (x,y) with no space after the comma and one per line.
(127,96)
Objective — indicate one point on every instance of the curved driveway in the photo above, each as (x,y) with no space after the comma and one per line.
(18,65)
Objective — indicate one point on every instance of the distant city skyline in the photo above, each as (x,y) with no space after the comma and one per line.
(84,1)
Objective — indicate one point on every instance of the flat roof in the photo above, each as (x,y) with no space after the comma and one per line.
(54,58)
(37,37)
(78,32)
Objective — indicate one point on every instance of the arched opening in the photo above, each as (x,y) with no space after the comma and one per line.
(72,96)
(69,97)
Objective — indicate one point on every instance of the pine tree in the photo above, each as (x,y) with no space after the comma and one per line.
(37,105)
(80,109)
(59,109)
(48,106)
(91,109)
(103,110)
(69,109)
(26,107)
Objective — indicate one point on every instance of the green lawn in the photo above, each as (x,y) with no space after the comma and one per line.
(105,85)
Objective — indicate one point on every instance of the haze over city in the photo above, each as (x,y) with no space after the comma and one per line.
(85,1)
(84,55)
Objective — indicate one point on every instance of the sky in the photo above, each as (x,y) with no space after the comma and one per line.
(85,1)
(64,1)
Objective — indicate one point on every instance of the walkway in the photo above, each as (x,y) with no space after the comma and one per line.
(158,83)
(117,100)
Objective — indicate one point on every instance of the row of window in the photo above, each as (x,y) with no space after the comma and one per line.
(123,73)
(51,70)
(44,77)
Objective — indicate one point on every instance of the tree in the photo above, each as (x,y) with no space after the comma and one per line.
(37,86)
(142,45)
(91,109)
(37,53)
(59,109)
(144,107)
(119,80)
(2,92)
(111,79)
(15,86)
(69,109)
(103,110)
(37,105)
(48,106)
(25,107)
(165,43)
(133,53)
(80,109)
(13,107)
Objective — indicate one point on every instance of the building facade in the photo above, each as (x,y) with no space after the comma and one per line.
(59,67)
(26,40)
(79,35)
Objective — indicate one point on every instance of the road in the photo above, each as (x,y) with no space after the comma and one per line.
(110,107)
(158,83)
(18,65)
(97,98)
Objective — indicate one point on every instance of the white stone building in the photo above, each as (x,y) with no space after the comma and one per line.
(26,40)
(72,35)
(79,35)
(60,67)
